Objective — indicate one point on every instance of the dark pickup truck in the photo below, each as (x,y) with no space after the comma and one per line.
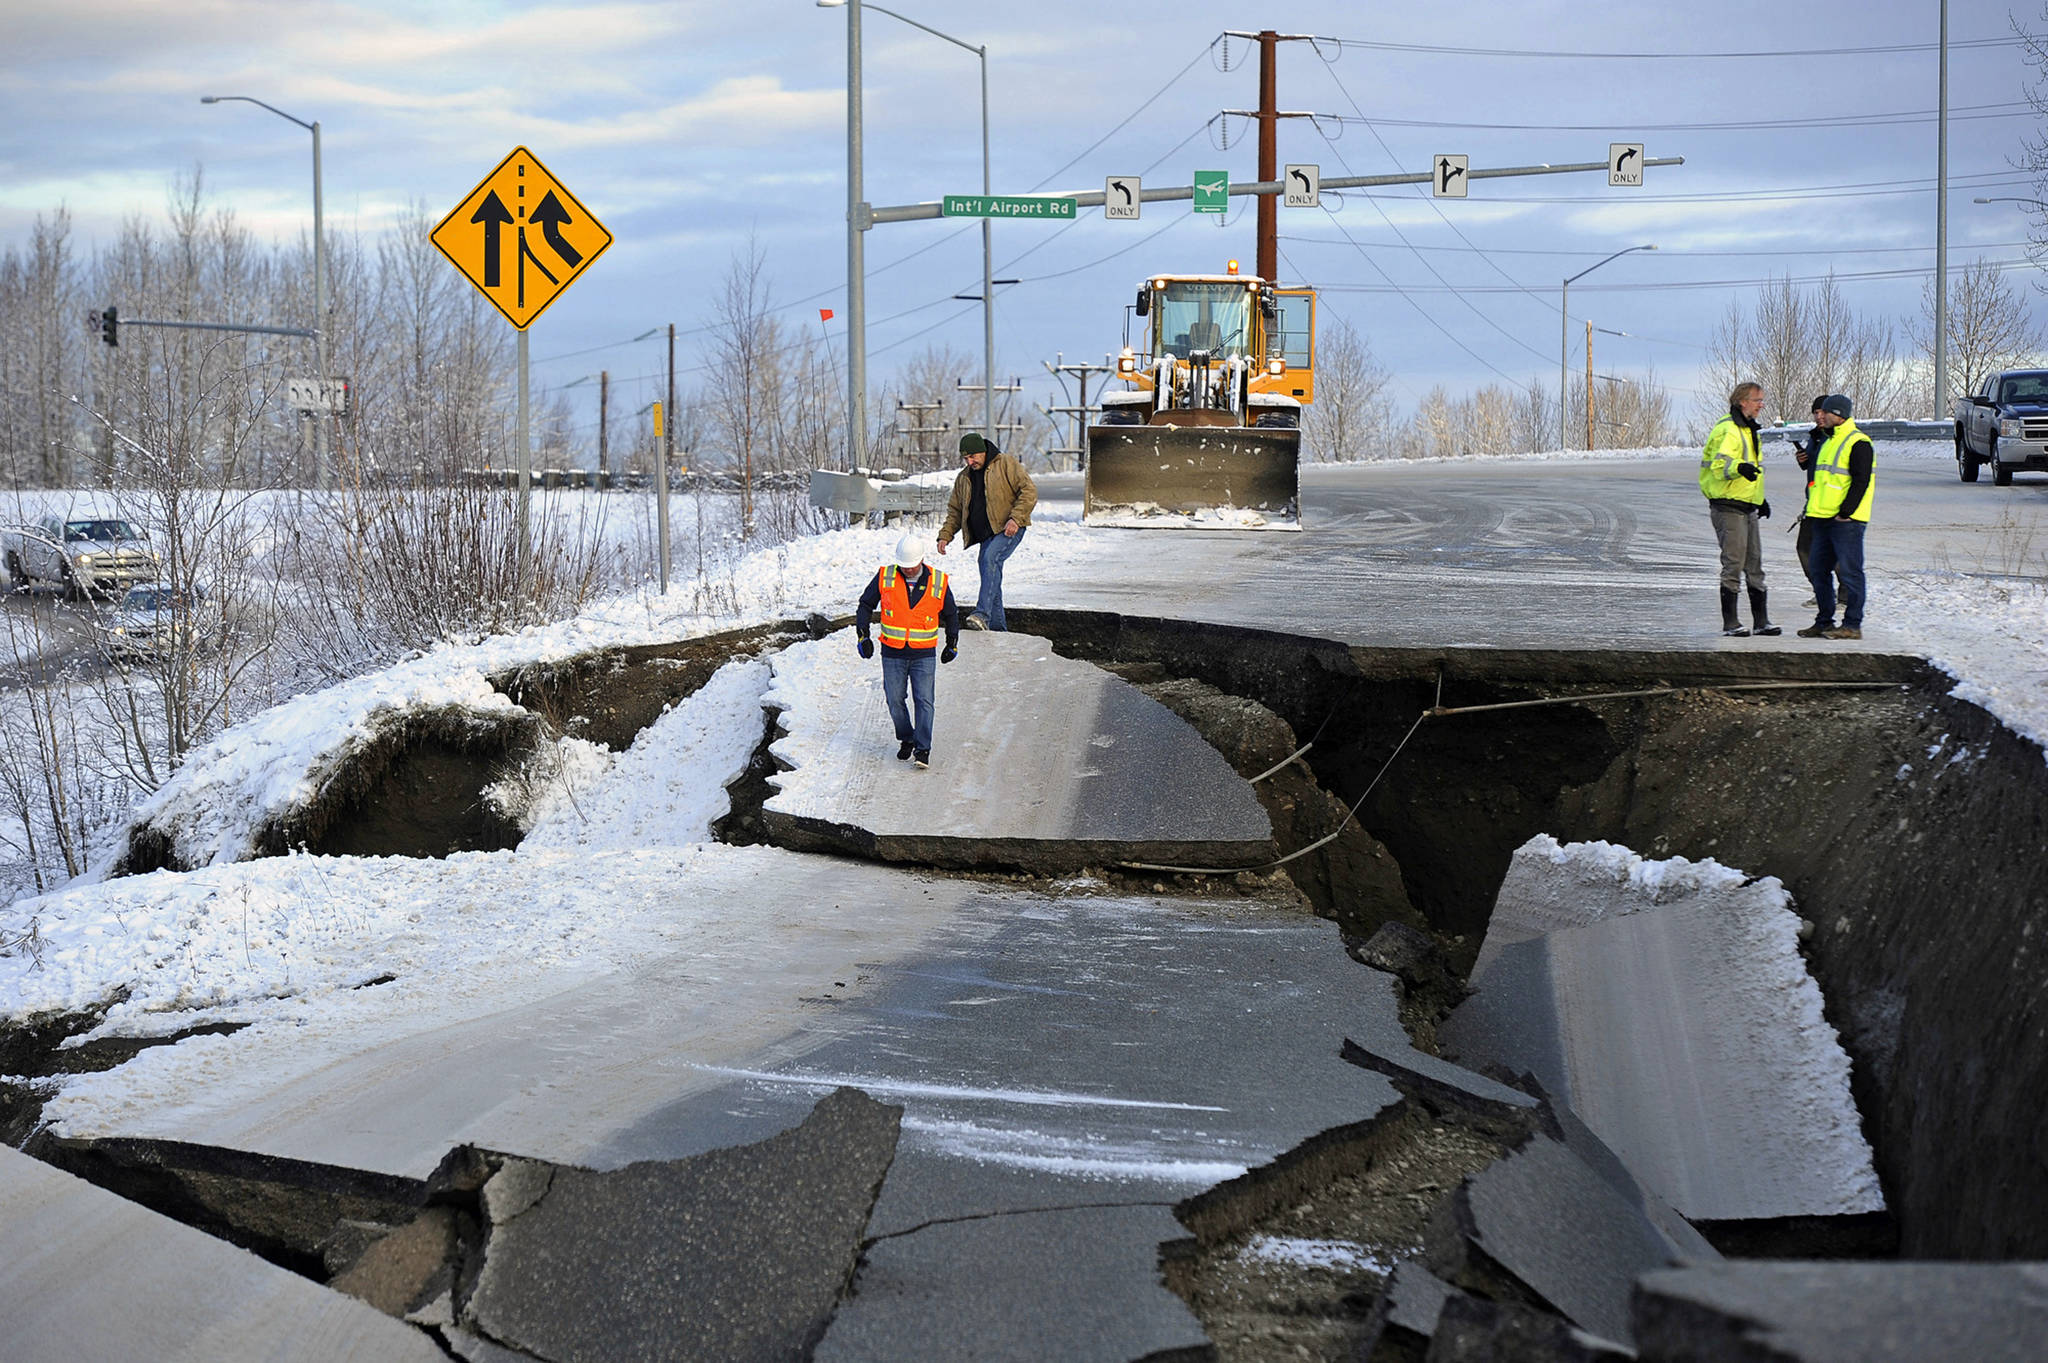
(2003,424)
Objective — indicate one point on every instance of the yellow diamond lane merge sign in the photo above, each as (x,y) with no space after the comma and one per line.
(521,237)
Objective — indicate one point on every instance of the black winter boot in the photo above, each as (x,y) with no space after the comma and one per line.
(1759,613)
(1730,625)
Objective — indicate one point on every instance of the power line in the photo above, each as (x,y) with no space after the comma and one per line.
(1127,118)
(1434,49)
(2010,109)
(1435,207)
(1670,285)
(1662,252)
(1764,195)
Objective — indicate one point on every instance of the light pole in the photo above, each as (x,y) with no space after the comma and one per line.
(858,220)
(2038,203)
(1564,338)
(319,273)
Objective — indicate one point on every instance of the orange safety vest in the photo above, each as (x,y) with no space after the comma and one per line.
(905,625)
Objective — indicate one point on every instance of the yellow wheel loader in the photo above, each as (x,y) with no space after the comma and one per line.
(1207,433)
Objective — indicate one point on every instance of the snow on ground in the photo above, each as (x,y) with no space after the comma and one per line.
(1298,1252)
(287,938)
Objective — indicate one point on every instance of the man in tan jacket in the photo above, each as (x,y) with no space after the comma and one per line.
(991,505)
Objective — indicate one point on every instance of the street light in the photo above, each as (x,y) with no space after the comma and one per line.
(319,268)
(858,221)
(2035,202)
(1564,332)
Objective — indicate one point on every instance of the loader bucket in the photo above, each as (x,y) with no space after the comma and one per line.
(1192,477)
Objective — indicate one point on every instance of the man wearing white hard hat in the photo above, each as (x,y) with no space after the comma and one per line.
(915,605)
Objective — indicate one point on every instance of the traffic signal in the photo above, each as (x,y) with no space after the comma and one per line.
(110,327)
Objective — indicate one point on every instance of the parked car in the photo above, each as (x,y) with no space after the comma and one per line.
(80,554)
(156,619)
(2003,424)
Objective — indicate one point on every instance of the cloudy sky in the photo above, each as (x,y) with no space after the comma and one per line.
(690,128)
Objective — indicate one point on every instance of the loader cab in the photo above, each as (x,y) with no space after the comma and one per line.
(1291,336)
(1208,316)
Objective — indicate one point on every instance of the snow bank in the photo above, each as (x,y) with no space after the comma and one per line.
(669,787)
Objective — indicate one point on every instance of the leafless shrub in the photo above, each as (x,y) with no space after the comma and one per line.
(383,570)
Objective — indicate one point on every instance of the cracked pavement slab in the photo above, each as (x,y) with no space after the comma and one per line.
(730,1256)
(1683,1029)
(1037,760)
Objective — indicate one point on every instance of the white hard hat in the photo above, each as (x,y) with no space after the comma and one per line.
(909,553)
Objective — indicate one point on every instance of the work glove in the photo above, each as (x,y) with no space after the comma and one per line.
(866,646)
(948,654)
(1763,511)
(1747,470)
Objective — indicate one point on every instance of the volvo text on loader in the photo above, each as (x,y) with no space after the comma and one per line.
(1207,433)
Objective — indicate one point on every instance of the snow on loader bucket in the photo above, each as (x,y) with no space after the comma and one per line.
(1211,477)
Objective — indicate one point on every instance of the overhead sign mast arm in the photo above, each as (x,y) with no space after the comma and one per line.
(1094,198)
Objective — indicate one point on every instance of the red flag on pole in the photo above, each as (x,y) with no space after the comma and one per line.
(824,314)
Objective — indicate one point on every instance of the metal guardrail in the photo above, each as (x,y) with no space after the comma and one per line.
(856,494)
(1876,430)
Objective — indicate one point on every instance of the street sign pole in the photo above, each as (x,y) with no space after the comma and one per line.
(667,445)
(521,238)
(524,454)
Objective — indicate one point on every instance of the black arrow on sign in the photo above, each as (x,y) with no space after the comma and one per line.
(551,215)
(1124,190)
(1446,170)
(1298,175)
(1622,159)
(492,214)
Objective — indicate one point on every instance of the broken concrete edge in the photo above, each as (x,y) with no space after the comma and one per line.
(1482,1099)
(1861,1235)
(1099,635)
(1031,856)
(1873,1312)
(1234,1206)
(284,1210)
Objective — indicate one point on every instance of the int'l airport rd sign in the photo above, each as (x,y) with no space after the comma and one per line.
(1005,206)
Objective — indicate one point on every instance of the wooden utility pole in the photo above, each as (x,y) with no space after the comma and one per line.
(1268,115)
(1269,155)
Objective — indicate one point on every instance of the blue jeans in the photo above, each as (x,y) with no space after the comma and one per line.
(1837,548)
(995,550)
(919,670)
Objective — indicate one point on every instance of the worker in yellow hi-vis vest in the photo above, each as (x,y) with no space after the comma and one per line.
(1838,509)
(1732,478)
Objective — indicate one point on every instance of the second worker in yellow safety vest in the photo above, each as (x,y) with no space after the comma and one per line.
(1838,508)
(915,606)
(1732,477)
